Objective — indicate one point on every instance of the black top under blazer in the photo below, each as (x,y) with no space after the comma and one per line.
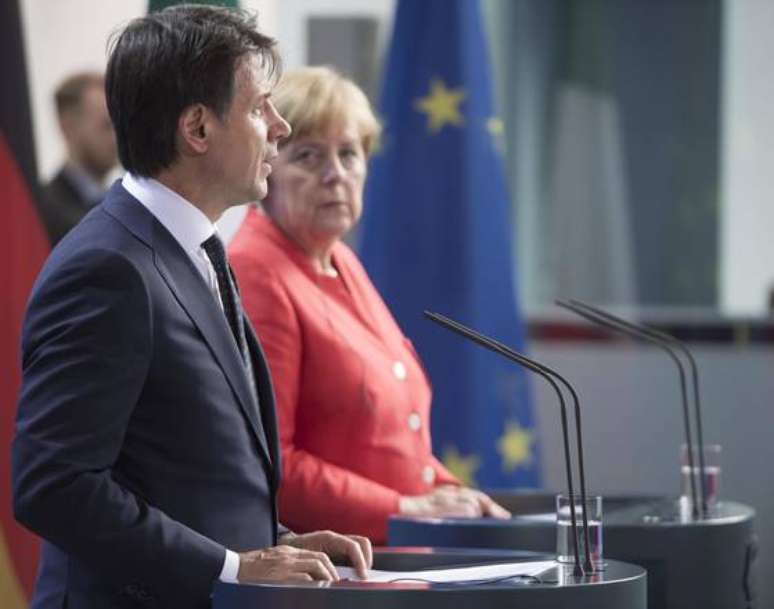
(140,453)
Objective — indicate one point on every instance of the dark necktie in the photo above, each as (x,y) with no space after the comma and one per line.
(228,292)
(232,307)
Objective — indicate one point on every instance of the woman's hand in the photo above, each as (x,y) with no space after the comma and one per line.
(454,501)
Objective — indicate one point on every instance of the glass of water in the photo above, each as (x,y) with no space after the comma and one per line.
(565,543)
(711,474)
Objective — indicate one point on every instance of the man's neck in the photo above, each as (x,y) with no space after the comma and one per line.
(191,188)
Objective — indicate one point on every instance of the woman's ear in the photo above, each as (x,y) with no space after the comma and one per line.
(193,130)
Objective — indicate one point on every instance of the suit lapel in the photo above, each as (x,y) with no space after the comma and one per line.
(193,295)
(266,398)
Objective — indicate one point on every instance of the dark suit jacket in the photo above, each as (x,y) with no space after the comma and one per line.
(140,453)
(61,206)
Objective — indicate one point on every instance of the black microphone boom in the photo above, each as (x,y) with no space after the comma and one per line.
(524,360)
(546,373)
(694,378)
(612,322)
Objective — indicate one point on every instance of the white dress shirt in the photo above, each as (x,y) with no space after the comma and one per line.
(190,228)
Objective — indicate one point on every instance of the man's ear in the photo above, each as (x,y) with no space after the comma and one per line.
(193,128)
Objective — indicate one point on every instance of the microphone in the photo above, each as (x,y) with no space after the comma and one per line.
(665,342)
(694,378)
(671,340)
(546,373)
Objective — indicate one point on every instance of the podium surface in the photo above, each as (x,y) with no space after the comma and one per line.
(706,563)
(619,586)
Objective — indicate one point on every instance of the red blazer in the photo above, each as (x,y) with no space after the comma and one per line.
(353,400)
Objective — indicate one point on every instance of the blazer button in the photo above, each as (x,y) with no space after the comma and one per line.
(428,474)
(399,370)
(414,421)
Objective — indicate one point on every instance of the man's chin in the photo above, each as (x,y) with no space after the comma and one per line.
(260,191)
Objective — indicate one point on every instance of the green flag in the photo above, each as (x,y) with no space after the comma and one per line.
(157,5)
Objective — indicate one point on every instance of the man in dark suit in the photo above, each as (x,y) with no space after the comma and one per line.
(91,154)
(146,447)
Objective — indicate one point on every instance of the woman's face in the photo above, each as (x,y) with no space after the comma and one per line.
(316,187)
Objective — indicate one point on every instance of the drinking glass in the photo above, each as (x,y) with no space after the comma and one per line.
(565,543)
(711,474)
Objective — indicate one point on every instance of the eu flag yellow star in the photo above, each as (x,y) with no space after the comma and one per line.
(515,446)
(496,129)
(495,126)
(442,106)
(464,468)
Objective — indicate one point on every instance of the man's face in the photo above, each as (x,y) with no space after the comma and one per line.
(243,143)
(89,133)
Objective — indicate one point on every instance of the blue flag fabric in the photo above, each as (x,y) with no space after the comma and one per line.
(436,235)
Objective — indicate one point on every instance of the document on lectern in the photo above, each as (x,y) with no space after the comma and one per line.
(538,517)
(455,575)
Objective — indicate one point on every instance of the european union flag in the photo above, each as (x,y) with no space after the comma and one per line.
(436,235)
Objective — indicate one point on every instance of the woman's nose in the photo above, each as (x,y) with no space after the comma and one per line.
(333,170)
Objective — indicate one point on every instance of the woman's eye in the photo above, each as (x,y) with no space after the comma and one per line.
(349,156)
(305,156)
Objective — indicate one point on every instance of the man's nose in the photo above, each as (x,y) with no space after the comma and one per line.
(279,128)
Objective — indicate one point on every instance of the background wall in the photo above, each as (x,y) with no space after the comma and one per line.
(747,217)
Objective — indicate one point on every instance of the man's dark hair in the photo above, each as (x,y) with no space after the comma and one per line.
(164,62)
(69,93)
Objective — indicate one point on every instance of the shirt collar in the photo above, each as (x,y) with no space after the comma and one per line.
(187,223)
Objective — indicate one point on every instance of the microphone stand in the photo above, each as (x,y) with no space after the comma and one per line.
(613,323)
(694,377)
(512,355)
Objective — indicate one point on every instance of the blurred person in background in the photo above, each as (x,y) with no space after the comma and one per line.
(353,400)
(91,153)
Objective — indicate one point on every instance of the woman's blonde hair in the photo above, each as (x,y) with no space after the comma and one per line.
(315,99)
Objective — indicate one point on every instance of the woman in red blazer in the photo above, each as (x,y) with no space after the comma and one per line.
(352,397)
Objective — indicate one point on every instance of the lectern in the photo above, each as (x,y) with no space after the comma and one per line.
(619,586)
(706,563)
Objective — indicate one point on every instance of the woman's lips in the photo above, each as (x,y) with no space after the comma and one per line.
(334,204)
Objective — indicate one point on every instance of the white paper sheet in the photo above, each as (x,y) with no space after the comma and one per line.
(545,517)
(454,574)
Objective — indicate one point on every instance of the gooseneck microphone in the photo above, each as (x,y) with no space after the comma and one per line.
(694,378)
(529,363)
(544,372)
(612,322)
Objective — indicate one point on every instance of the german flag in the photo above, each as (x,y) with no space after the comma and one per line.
(23,248)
